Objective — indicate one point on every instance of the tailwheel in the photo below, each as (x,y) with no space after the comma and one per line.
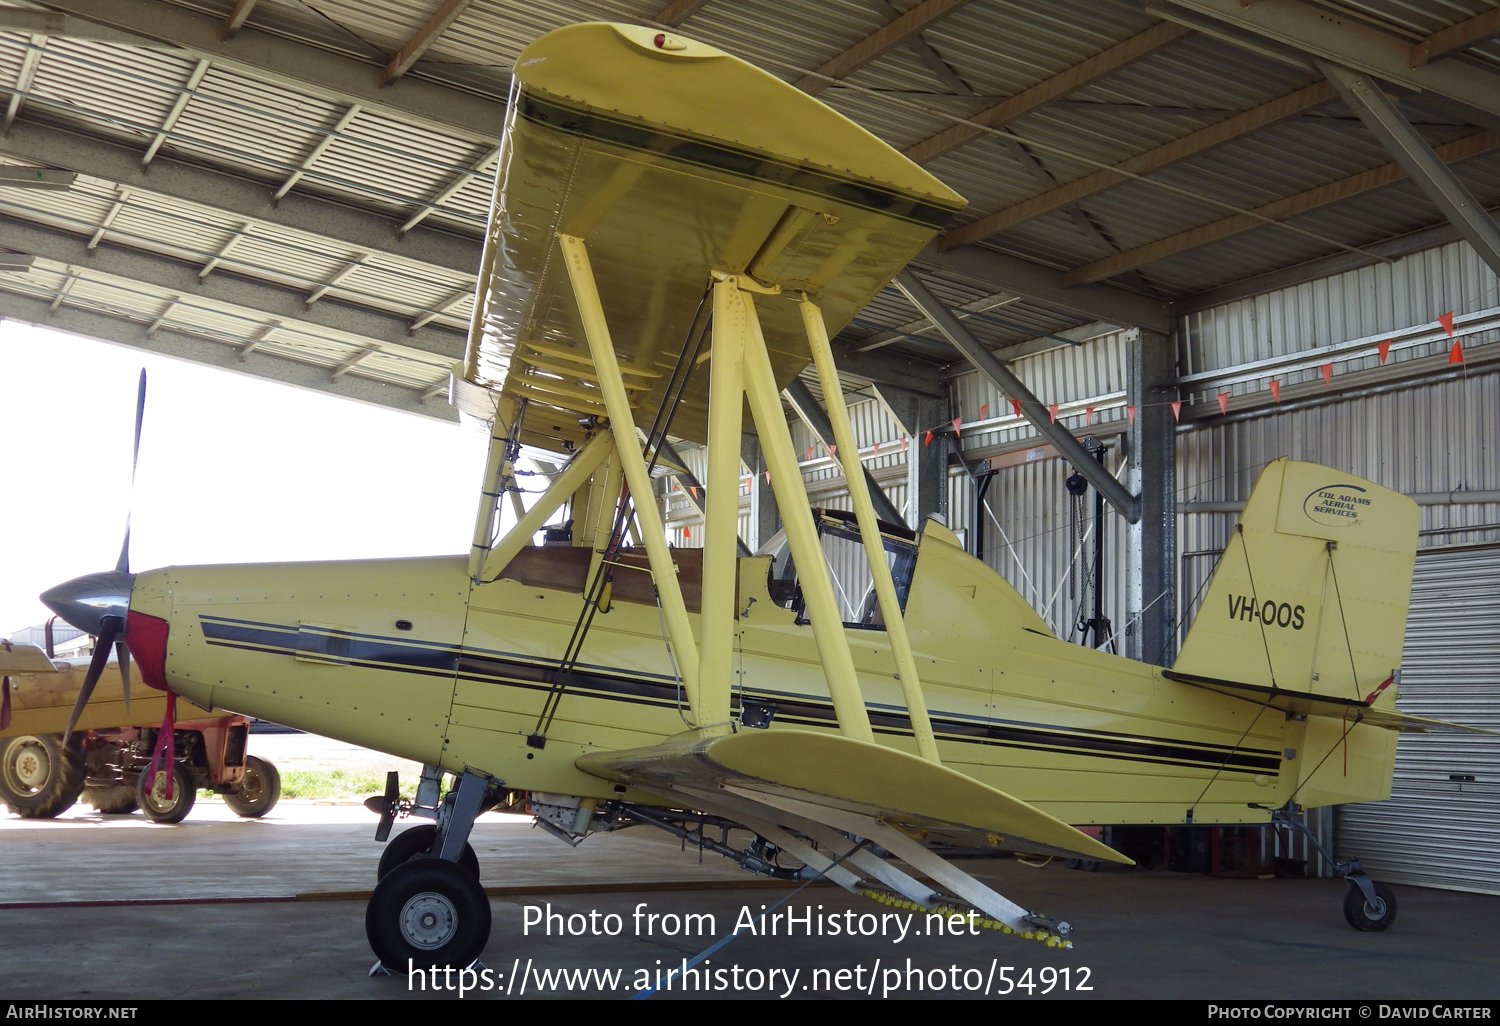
(429,911)
(1370,916)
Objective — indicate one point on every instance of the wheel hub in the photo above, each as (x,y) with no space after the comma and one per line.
(1374,912)
(428,920)
(32,767)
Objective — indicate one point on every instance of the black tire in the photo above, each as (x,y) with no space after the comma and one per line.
(111,801)
(416,843)
(259,791)
(154,803)
(432,912)
(1369,919)
(39,778)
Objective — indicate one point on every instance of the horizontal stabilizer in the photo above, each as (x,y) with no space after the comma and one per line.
(920,797)
(1324,705)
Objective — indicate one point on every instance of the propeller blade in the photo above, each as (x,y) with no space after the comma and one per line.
(109,628)
(140,414)
(123,652)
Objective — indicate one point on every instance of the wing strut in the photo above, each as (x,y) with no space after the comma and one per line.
(869,530)
(622,424)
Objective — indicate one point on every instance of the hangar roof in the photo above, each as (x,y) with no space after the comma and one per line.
(297,188)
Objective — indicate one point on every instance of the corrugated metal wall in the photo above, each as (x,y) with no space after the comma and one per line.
(1441,827)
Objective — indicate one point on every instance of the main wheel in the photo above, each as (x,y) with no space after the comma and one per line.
(154,802)
(1369,918)
(111,801)
(259,790)
(429,911)
(416,843)
(39,778)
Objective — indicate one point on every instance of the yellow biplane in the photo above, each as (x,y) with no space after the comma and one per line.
(674,236)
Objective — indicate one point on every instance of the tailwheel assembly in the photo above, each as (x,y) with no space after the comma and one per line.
(1370,913)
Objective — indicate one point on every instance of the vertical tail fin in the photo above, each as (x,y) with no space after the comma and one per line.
(1312,590)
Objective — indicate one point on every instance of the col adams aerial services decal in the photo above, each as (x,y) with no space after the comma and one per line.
(1337,505)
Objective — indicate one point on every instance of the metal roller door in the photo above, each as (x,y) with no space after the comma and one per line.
(1441,827)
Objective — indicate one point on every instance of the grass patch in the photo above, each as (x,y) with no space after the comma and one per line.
(338,784)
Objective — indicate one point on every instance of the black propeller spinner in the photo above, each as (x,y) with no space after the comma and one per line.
(98,604)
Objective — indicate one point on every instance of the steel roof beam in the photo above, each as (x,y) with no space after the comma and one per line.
(1320,32)
(1101,65)
(178,106)
(678,11)
(1000,271)
(453,188)
(332,76)
(1304,202)
(816,418)
(23,80)
(1193,144)
(1393,248)
(319,148)
(175,342)
(341,225)
(237,18)
(427,35)
(879,43)
(265,300)
(1033,409)
(1456,38)
(1413,153)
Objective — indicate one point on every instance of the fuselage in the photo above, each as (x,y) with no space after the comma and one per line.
(408,657)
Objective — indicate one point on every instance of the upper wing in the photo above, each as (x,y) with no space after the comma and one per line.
(673,160)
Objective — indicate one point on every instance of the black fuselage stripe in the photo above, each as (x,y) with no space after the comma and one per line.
(396,655)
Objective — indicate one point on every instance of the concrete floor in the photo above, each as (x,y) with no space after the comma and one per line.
(1159,934)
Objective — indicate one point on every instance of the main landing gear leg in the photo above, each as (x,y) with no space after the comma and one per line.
(1368,906)
(432,911)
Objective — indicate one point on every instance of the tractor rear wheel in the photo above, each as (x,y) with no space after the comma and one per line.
(39,778)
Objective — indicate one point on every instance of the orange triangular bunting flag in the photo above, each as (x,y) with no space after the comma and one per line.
(1088,413)
(809,452)
(1276,391)
(1327,370)
(956,422)
(1447,322)
(833,451)
(1015,404)
(768,477)
(694,490)
(877,448)
(1384,349)
(687,532)
(927,441)
(1052,411)
(903,443)
(1177,411)
(1130,414)
(1223,402)
(984,412)
(1456,354)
